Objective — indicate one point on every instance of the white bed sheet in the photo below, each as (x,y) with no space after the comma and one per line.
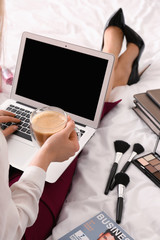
(81,22)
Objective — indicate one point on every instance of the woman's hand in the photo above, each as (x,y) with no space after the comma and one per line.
(58,148)
(6,116)
(63,144)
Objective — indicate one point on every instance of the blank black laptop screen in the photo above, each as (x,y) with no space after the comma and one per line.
(61,77)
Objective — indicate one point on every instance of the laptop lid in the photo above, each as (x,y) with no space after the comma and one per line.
(55,73)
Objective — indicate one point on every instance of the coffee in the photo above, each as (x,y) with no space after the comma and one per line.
(46,123)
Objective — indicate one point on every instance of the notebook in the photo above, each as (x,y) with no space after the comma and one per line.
(154,94)
(50,72)
(148,106)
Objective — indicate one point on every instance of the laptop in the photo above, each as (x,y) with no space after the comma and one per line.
(50,72)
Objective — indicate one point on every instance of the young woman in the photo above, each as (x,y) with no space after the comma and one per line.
(26,213)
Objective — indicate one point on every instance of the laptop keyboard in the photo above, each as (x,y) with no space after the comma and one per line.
(24,126)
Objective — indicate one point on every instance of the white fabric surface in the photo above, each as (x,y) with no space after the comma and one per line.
(81,22)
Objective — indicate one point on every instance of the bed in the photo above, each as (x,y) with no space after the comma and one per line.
(81,22)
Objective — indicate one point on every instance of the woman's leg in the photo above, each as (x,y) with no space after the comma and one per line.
(113,38)
(124,66)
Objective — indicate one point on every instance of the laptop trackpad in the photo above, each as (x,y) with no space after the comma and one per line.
(19,153)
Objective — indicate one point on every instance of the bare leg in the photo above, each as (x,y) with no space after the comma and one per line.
(124,66)
(113,39)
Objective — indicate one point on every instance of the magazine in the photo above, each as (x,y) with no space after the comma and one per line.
(99,227)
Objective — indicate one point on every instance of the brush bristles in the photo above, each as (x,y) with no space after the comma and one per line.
(121,146)
(138,148)
(122,178)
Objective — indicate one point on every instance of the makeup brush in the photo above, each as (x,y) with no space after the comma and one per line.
(120,148)
(122,180)
(137,149)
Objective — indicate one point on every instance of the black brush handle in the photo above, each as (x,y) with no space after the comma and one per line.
(119,209)
(111,176)
(123,170)
(125,167)
(113,184)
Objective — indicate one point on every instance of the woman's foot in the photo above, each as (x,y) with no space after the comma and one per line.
(116,20)
(134,38)
(125,70)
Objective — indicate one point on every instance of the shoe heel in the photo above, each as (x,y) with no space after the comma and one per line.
(144,69)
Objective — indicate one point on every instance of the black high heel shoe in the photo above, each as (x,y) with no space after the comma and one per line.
(133,37)
(117,19)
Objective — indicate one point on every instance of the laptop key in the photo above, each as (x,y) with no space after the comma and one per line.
(28,131)
(8,124)
(22,118)
(8,109)
(13,110)
(23,129)
(25,125)
(82,132)
(23,135)
(27,120)
(3,126)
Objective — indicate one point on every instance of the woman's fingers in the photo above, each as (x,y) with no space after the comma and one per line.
(4,119)
(6,113)
(9,130)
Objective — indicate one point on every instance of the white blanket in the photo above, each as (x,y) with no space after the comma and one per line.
(81,22)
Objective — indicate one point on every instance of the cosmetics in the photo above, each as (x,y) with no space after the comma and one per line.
(120,147)
(137,149)
(122,180)
(150,164)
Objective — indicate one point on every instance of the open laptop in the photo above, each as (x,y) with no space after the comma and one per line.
(56,73)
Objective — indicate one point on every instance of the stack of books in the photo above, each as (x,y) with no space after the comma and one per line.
(147,106)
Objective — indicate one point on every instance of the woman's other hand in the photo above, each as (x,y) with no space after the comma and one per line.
(5,117)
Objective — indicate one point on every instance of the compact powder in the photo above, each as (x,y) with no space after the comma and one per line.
(154,162)
(151,169)
(150,166)
(158,167)
(143,161)
(149,157)
(157,175)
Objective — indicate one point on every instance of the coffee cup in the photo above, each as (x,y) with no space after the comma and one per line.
(45,122)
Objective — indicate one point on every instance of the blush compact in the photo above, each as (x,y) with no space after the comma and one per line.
(150,164)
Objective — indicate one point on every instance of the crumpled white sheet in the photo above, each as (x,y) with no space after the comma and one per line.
(142,198)
(81,22)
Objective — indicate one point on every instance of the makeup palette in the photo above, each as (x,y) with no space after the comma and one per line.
(150,164)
